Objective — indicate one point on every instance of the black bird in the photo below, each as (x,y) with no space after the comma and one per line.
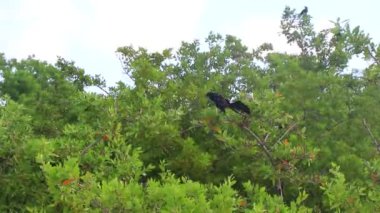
(223,103)
(303,12)
(239,107)
(220,102)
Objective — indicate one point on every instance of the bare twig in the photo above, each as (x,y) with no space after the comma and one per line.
(116,106)
(85,150)
(102,89)
(191,128)
(124,67)
(285,133)
(261,144)
(279,187)
(370,50)
(252,133)
(374,140)
(266,138)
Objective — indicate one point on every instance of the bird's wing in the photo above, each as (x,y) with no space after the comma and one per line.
(239,106)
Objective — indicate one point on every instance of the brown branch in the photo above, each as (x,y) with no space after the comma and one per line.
(374,140)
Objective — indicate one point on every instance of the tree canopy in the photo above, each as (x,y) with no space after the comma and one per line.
(309,144)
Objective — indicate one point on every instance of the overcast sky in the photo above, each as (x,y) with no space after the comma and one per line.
(89,31)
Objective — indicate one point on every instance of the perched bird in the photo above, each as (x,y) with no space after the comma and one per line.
(239,107)
(303,12)
(222,103)
(219,101)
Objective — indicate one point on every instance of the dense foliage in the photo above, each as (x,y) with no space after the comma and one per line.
(311,142)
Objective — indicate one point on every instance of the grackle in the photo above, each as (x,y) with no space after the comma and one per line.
(238,106)
(303,12)
(222,103)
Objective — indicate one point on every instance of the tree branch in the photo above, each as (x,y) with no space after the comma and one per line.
(102,89)
(85,150)
(291,127)
(373,56)
(374,140)
(266,138)
(261,144)
(279,187)
(191,128)
(116,105)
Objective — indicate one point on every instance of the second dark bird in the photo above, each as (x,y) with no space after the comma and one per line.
(303,12)
(222,103)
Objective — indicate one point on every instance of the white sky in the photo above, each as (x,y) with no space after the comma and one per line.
(89,31)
